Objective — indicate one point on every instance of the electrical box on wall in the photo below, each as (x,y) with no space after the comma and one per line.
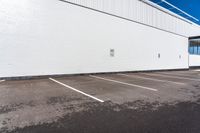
(159,55)
(112,52)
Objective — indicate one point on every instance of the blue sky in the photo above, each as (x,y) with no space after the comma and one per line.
(192,7)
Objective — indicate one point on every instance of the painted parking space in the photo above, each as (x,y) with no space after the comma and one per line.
(117,88)
(152,79)
(76,90)
(197,70)
(28,103)
(106,90)
(167,91)
(133,78)
(175,76)
(29,90)
(188,75)
(178,79)
(124,83)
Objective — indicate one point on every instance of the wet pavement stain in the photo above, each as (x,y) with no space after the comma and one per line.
(131,117)
(61,100)
(14,107)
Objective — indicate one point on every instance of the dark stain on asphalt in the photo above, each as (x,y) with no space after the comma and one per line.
(132,117)
(13,107)
(196,86)
(61,100)
(6,109)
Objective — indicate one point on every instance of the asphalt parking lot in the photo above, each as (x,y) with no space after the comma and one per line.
(145,102)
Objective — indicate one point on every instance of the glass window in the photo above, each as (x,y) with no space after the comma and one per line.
(191,49)
(195,49)
(198,50)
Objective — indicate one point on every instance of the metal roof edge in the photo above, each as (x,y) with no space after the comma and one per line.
(168,11)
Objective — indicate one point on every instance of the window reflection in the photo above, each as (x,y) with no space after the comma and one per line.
(194,47)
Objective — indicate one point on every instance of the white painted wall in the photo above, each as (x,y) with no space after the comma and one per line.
(194,60)
(141,12)
(46,37)
(194,30)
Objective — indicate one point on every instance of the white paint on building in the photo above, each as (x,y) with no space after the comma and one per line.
(194,60)
(47,37)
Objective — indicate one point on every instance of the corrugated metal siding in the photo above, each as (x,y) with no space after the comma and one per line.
(138,11)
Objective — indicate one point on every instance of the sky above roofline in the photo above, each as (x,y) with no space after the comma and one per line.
(191,7)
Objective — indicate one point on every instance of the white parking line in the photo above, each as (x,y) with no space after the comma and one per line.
(185,72)
(2,81)
(162,75)
(153,79)
(178,74)
(67,86)
(198,70)
(124,83)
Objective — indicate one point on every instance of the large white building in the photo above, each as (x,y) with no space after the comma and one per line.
(50,37)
